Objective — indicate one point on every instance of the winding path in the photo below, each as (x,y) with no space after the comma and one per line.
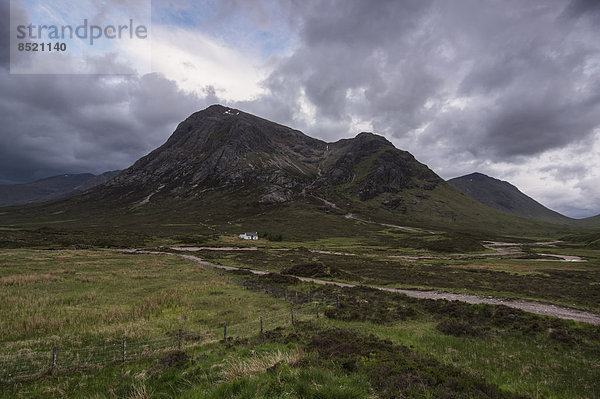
(528,306)
(501,250)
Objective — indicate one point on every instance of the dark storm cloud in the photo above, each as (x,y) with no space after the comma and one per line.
(543,93)
(507,78)
(59,123)
(462,84)
(351,61)
(54,124)
(583,8)
(528,127)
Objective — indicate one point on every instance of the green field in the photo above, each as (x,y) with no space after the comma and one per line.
(82,298)
(79,298)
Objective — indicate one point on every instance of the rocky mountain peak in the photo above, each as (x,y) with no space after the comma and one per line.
(222,147)
(364,137)
(478,176)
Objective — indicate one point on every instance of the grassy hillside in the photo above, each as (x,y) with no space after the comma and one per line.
(591,222)
(105,222)
(221,171)
(41,190)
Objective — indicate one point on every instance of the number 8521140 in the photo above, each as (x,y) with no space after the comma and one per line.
(42,47)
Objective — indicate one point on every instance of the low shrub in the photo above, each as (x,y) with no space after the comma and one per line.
(271,236)
(395,371)
(308,270)
(458,328)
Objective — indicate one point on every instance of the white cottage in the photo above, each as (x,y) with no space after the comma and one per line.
(249,236)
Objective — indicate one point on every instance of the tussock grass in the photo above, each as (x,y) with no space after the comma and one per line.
(25,279)
(525,353)
(141,391)
(77,298)
(234,368)
(99,300)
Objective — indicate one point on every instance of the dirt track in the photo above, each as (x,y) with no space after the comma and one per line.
(528,306)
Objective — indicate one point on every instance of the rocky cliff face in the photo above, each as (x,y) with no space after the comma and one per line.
(220,147)
(374,166)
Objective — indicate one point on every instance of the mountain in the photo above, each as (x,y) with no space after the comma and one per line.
(97,180)
(505,197)
(51,188)
(260,163)
(589,222)
(225,170)
(220,148)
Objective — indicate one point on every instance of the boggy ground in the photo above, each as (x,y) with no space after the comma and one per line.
(563,283)
(392,370)
(453,317)
(537,355)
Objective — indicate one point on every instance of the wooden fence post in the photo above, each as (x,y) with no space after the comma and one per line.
(124,350)
(317,310)
(261,326)
(53,367)
(179,339)
(225,332)
(292,316)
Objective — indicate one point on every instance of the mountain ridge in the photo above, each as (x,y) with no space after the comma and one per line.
(50,188)
(221,146)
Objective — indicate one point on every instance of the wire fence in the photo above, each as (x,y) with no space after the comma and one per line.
(25,366)
(295,297)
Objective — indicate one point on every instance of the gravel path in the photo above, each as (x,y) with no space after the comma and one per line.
(351,216)
(528,306)
(194,249)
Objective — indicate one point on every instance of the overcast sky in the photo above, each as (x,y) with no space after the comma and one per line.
(507,88)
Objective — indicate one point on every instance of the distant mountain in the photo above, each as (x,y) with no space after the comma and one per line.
(97,180)
(503,196)
(590,222)
(51,188)
(224,168)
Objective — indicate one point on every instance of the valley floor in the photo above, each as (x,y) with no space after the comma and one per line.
(546,277)
(528,306)
(76,299)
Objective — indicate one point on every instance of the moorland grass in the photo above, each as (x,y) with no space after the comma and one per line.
(104,295)
(530,354)
(74,298)
(565,283)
